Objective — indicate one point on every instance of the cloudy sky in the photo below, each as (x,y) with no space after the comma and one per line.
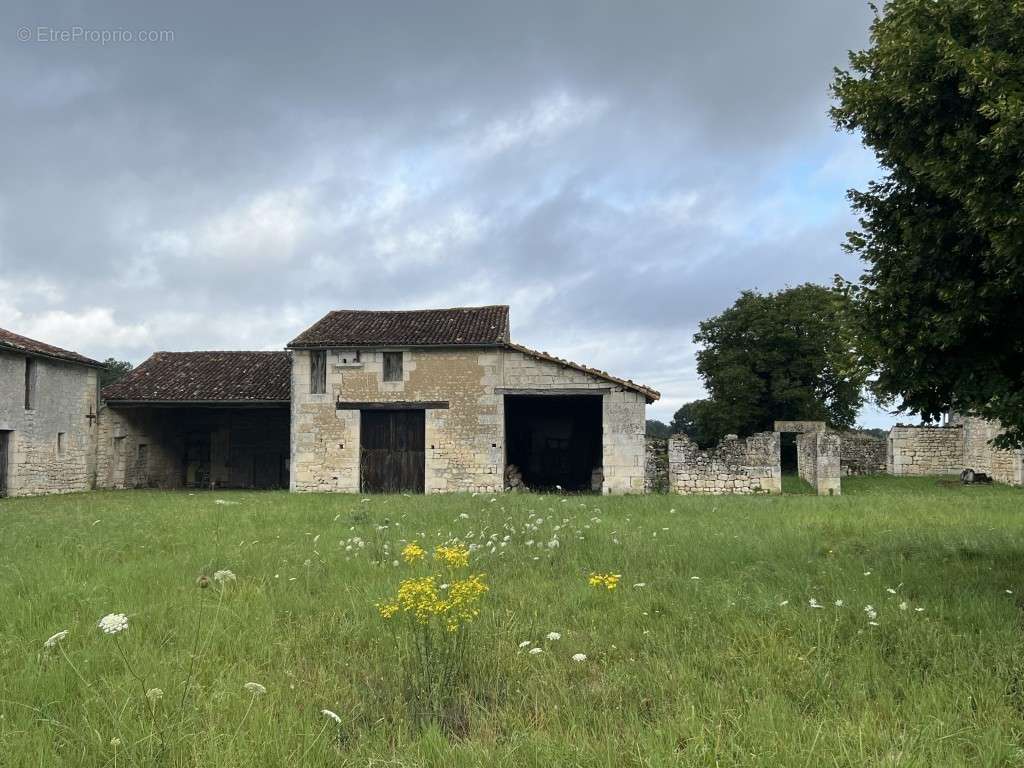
(616,172)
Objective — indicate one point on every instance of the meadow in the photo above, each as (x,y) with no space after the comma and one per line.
(882,627)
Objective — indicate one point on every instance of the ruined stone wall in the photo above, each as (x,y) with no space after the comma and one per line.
(64,395)
(465,445)
(981,456)
(925,450)
(862,454)
(656,466)
(818,460)
(735,466)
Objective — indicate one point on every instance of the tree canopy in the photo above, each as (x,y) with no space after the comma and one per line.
(939,97)
(113,370)
(784,355)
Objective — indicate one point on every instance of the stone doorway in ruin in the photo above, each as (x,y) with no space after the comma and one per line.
(817,454)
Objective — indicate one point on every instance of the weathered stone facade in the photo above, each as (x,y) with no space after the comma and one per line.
(925,450)
(862,454)
(465,445)
(735,466)
(981,456)
(51,444)
(818,461)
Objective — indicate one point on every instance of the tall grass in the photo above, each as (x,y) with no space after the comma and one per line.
(719,658)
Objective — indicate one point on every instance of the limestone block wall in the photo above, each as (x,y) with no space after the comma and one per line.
(64,396)
(818,461)
(862,454)
(121,463)
(925,450)
(735,466)
(981,456)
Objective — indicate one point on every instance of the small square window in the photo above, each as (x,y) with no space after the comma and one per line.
(392,366)
(318,371)
(143,454)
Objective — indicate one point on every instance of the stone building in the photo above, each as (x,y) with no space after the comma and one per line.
(420,401)
(443,400)
(197,419)
(48,407)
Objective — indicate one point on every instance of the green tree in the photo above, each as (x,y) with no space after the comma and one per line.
(939,97)
(658,429)
(113,370)
(784,355)
(698,420)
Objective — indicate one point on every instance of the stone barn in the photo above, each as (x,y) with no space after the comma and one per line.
(419,401)
(48,407)
(443,400)
(197,420)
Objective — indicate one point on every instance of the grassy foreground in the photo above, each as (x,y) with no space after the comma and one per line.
(708,652)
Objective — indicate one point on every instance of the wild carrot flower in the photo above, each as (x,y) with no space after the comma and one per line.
(113,624)
(255,688)
(223,576)
(553,636)
(535,651)
(526,643)
(52,640)
(578,657)
(413,552)
(813,603)
(331,715)
(154,695)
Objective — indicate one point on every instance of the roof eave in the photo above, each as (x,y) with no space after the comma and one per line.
(391,345)
(87,362)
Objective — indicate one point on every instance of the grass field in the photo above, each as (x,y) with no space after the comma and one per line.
(719,658)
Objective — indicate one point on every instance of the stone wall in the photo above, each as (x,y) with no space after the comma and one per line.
(981,456)
(862,454)
(656,466)
(735,466)
(925,450)
(65,394)
(818,460)
(465,446)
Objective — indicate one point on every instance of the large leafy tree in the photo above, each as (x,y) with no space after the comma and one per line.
(113,370)
(785,355)
(700,421)
(939,98)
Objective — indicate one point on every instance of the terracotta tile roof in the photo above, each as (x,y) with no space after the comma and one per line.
(12,341)
(460,326)
(181,377)
(650,394)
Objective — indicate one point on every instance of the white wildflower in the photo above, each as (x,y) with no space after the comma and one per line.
(52,640)
(154,694)
(553,636)
(783,603)
(871,612)
(579,657)
(113,624)
(813,603)
(535,651)
(255,689)
(332,715)
(640,585)
(890,590)
(838,603)
(867,573)
(223,576)
(903,605)
(526,643)
(463,516)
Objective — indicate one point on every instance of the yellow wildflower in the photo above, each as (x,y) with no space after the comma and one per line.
(413,552)
(387,610)
(607,580)
(454,556)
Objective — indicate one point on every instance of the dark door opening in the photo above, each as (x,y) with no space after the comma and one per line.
(554,440)
(5,454)
(787,457)
(392,453)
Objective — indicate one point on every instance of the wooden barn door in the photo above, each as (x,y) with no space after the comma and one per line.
(5,458)
(392,455)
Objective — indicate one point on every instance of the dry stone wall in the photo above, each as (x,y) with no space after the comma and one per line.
(748,466)
(65,395)
(925,450)
(862,454)
(656,468)
(818,460)
(981,456)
